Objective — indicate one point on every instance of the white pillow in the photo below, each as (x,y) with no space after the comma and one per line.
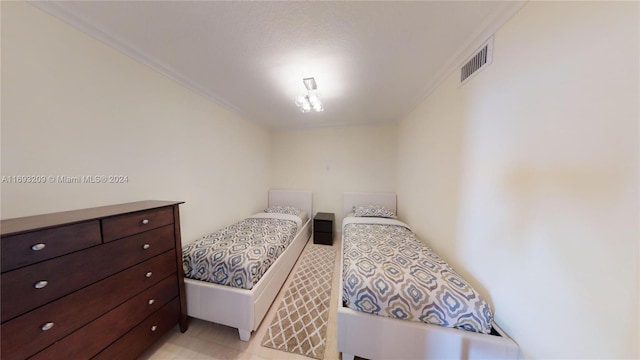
(373,211)
(291,210)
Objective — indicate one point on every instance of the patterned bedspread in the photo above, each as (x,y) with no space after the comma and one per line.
(387,271)
(240,254)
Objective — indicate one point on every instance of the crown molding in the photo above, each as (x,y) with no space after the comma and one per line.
(492,24)
(113,41)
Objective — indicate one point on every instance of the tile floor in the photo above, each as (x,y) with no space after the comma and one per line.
(205,340)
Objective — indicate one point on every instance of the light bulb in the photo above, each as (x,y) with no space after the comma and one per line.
(300,100)
(310,100)
(313,97)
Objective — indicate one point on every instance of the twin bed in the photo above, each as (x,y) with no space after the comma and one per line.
(401,300)
(260,251)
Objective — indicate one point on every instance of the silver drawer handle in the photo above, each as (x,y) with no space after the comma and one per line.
(154,328)
(148,274)
(40,284)
(146,246)
(145,221)
(47,326)
(151,301)
(38,247)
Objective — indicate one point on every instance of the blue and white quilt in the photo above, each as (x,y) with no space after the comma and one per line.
(239,255)
(387,271)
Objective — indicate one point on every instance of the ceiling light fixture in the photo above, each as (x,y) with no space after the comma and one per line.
(310,100)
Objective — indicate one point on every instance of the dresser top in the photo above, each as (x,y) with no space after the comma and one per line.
(38,222)
(323,216)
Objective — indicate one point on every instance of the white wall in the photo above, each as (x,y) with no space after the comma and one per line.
(526,178)
(330,161)
(73,106)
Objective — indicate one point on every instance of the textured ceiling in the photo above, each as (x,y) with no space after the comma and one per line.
(373,61)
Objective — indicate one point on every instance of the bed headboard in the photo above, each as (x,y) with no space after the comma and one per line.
(300,199)
(351,199)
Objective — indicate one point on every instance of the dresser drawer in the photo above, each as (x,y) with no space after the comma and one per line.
(32,247)
(323,238)
(124,225)
(323,226)
(60,276)
(73,311)
(136,341)
(323,222)
(92,338)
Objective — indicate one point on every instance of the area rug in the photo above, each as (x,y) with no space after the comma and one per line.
(300,324)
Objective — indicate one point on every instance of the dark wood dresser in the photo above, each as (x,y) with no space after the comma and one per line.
(103,282)
(323,228)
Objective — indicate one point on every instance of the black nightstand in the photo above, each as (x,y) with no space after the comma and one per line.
(323,228)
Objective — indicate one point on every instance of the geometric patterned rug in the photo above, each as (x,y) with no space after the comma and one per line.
(300,324)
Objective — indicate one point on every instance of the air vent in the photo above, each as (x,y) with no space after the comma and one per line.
(480,60)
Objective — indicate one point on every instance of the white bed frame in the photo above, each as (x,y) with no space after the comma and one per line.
(245,309)
(379,337)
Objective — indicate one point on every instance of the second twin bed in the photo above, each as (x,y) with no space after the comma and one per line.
(401,300)
(233,275)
